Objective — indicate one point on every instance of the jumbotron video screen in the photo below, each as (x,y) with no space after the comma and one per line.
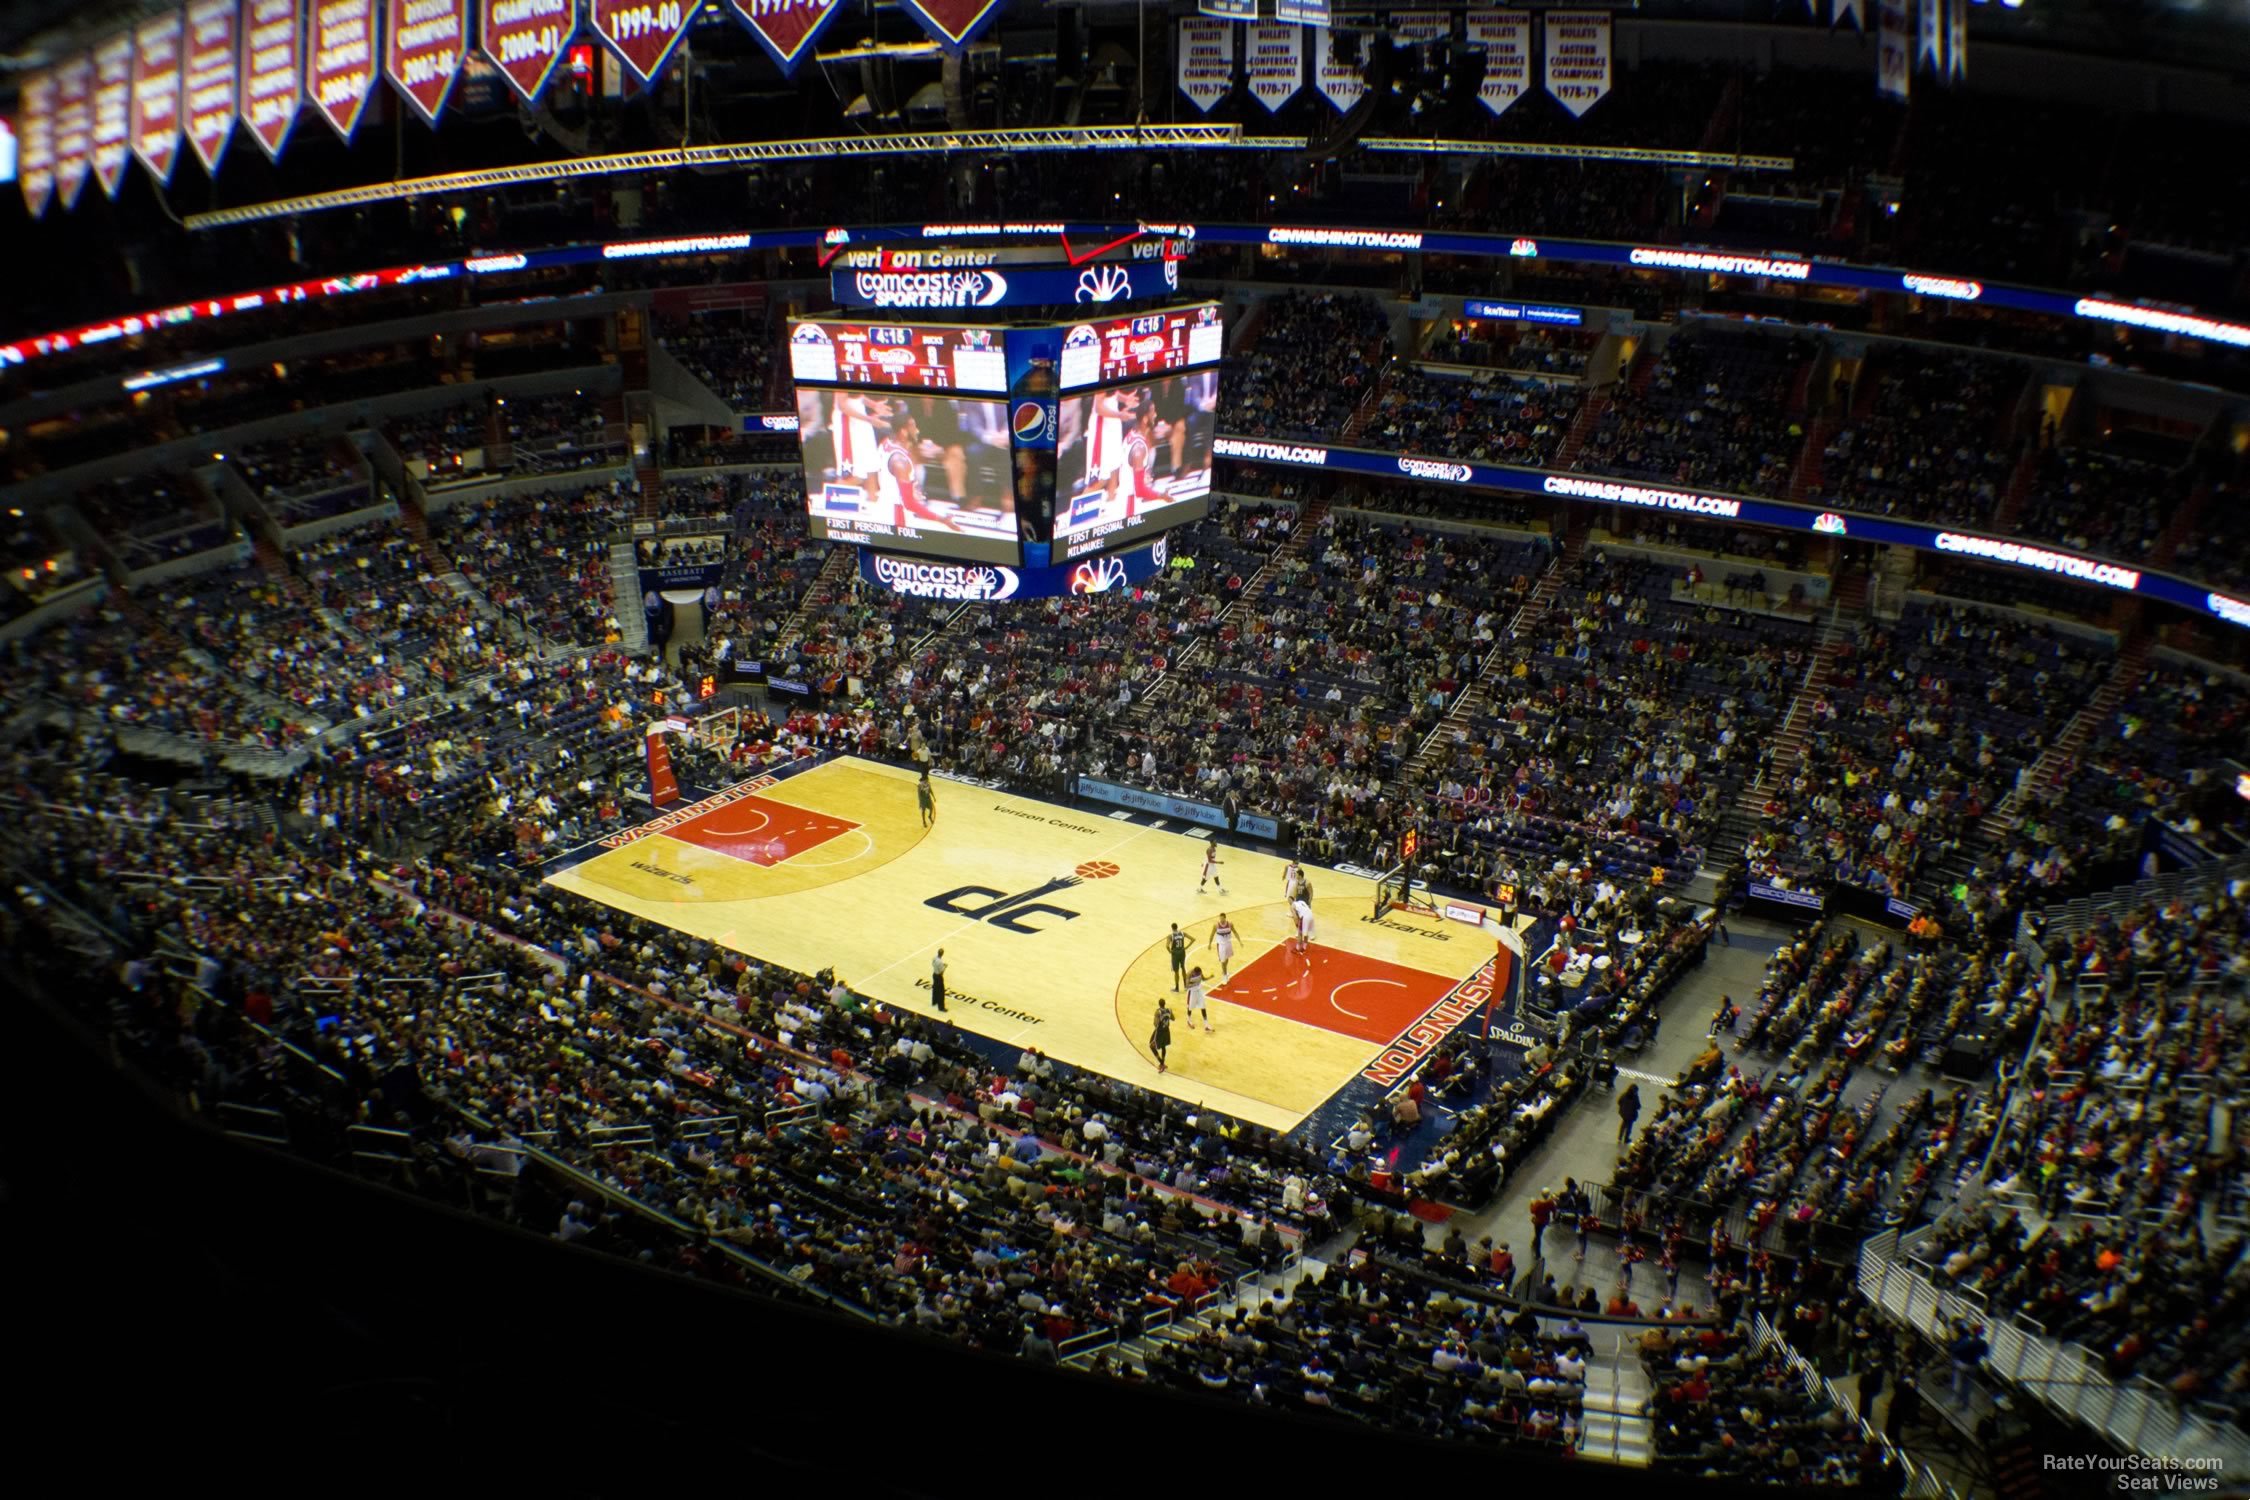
(1133,459)
(930,473)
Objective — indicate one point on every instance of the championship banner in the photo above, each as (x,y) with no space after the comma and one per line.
(340,60)
(1206,62)
(1339,82)
(272,35)
(156,95)
(524,39)
(1229,10)
(640,32)
(113,105)
(1274,62)
(1578,58)
(422,53)
(1856,9)
(952,22)
(1302,13)
(1894,71)
(74,126)
(1929,51)
(785,28)
(1505,41)
(1412,28)
(207,79)
(1957,41)
(35,117)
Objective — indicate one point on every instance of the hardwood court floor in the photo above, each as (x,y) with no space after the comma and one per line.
(1053,924)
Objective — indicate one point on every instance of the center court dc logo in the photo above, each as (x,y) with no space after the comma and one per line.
(1012,913)
(1030,421)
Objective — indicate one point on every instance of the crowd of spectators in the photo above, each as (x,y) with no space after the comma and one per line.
(282,470)
(730,352)
(1313,359)
(1519,348)
(1716,412)
(2111,498)
(1930,442)
(542,557)
(1490,419)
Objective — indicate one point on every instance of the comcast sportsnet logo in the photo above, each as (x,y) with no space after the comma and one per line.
(1030,421)
(1429,468)
(943,580)
(930,288)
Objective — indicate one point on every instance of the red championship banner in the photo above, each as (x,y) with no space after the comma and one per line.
(422,51)
(113,102)
(952,22)
(1505,41)
(272,36)
(208,80)
(156,94)
(524,39)
(74,126)
(340,60)
(35,116)
(642,32)
(785,28)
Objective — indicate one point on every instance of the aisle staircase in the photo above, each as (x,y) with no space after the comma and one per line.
(1300,541)
(625,590)
(1475,700)
(1806,478)
(1614,1415)
(2056,763)
(828,585)
(2018,491)
(1794,736)
(1581,427)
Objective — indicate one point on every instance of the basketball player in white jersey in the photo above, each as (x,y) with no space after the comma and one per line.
(1303,909)
(1289,881)
(1105,442)
(1211,869)
(1222,942)
(1197,1004)
(859,447)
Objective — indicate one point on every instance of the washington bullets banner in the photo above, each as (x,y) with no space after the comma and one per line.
(1957,41)
(1338,82)
(1206,62)
(74,127)
(1578,58)
(113,101)
(785,28)
(155,122)
(952,22)
(1894,69)
(423,56)
(271,34)
(35,115)
(524,39)
(207,79)
(340,61)
(642,32)
(1412,28)
(1274,62)
(1505,41)
(1929,51)
(1856,9)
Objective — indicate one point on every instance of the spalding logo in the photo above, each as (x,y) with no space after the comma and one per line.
(1030,421)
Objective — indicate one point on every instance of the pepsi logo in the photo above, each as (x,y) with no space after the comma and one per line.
(1030,420)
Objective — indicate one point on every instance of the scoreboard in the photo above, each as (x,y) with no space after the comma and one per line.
(904,356)
(1131,348)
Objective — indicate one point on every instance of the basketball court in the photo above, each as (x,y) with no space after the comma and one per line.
(1053,923)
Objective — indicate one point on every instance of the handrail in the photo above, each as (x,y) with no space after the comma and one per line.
(2138,1414)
